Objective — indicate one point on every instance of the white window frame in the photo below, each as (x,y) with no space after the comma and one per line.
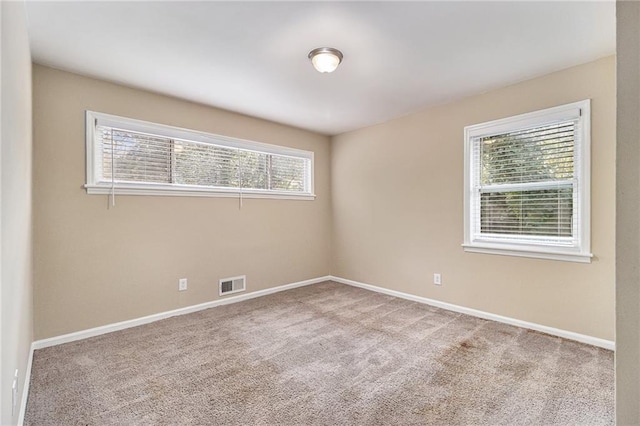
(95,186)
(523,246)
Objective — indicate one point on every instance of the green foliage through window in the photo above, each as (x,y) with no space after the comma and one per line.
(526,181)
(133,157)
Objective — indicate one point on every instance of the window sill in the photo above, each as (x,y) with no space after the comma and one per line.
(187,191)
(532,252)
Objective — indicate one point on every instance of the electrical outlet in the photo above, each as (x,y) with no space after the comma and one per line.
(14,394)
(182,284)
(437,279)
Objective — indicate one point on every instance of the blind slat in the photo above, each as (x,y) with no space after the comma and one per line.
(525,182)
(136,157)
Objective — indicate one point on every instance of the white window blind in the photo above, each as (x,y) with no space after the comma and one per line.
(527,184)
(129,156)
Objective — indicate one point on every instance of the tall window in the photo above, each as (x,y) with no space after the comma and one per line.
(135,157)
(527,184)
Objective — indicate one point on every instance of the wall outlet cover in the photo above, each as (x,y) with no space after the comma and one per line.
(182,284)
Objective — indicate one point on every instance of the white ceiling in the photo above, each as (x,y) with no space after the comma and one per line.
(251,57)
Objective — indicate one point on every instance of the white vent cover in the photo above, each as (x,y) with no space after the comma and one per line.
(232,285)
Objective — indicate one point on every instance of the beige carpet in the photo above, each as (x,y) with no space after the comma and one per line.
(326,354)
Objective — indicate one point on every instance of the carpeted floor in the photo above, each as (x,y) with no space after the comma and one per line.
(326,354)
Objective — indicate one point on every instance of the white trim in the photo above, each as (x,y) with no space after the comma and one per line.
(90,161)
(84,334)
(533,252)
(527,120)
(92,332)
(175,191)
(580,250)
(94,185)
(590,340)
(174,132)
(25,387)
(97,331)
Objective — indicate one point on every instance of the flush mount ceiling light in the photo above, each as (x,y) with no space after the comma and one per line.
(325,59)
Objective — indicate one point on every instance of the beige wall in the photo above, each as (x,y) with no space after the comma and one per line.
(397,193)
(397,214)
(95,266)
(15,212)
(628,215)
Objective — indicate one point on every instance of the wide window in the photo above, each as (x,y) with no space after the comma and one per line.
(527,184)
(126,156)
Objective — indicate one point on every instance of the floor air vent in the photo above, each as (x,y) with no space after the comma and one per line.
(232,285)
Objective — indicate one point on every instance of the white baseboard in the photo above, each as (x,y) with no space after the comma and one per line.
(66,338)
(590,340)
(25,388)
(91,332)
(79,335)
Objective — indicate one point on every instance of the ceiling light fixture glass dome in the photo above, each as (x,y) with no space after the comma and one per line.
(325,59)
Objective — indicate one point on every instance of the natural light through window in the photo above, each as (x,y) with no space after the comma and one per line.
(135,157)
(527,184)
